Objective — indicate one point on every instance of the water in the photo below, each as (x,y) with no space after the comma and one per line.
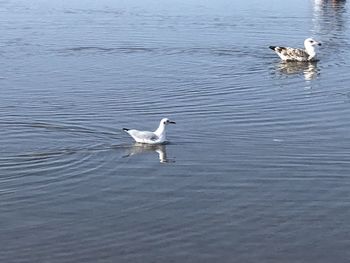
(258,164)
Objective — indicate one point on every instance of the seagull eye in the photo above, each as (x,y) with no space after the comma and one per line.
(311,41)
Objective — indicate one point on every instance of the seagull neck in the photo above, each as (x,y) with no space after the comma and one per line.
(161,130)
(310,50)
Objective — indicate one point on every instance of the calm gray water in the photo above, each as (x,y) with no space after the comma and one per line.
(258,164)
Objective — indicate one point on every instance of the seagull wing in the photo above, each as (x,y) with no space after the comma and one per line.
(143,136)
(292,54)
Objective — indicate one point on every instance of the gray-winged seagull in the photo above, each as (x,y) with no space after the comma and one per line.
(156,137)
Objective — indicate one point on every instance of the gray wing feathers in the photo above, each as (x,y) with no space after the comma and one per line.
(143,135)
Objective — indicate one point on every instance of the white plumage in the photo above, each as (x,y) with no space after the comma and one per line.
(156,137)
(297,54)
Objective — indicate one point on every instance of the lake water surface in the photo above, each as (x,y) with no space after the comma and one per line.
(258,164)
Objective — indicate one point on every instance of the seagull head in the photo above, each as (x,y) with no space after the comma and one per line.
(160,132)
(310,42)
(166,121)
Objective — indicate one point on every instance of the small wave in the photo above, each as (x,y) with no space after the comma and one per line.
(102,50)
(214,51)
(60,127)
(93,11)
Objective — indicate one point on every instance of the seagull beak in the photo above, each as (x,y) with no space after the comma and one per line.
(172,122)
(319,44)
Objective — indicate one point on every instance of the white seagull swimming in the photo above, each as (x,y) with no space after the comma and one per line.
(156,137)
(298,54)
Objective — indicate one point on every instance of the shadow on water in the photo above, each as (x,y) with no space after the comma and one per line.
(141,148)
(307,69)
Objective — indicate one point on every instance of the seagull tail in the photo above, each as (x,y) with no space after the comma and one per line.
(125,129)
(272,47)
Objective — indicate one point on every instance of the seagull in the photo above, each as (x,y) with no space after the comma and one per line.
(156,137)
(297,54)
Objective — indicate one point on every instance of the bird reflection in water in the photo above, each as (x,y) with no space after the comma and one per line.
(142,148)
(307,69)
